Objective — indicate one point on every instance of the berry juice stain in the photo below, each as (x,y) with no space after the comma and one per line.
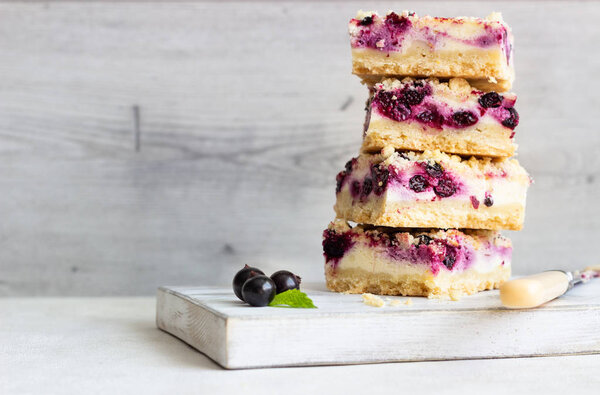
(336,245)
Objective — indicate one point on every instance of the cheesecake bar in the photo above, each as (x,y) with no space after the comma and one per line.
(432,190)
(454,117)
(408,45)
(433,263)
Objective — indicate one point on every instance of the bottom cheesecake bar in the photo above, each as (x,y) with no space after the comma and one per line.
(432,262)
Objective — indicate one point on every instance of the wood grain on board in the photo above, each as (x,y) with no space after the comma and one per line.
(245,113)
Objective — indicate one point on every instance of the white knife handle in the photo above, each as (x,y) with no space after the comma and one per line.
(535,290)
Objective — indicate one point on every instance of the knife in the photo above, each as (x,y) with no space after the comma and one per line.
(535,290)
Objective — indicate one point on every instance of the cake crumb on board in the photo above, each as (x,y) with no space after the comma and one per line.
(376,301)
(372,300)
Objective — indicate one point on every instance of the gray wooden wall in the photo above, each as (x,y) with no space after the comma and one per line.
(246,113)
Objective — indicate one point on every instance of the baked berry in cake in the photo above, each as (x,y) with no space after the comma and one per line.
(432,190)
(418,262)
(454,117)
(404,44)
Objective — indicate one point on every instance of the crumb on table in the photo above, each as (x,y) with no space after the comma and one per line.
(372,300)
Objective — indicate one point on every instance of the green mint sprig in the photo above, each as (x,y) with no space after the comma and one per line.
(292,298)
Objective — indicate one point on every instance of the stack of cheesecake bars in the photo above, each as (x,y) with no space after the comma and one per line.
(434,181)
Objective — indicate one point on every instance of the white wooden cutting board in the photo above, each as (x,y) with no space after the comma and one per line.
(343,330)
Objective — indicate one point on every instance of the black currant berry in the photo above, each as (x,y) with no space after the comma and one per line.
(339,180)
(445,188)
(355,188)
(450,259)
(424,239)
(413,97)
(434,170)
(285,281)
(258,290)
(380,178)
(418,183)
(367,186)
(366,21)
(335,245)
(241,277)
(490,100)
(350,165)
(488,201)
(464,118)
(513,118)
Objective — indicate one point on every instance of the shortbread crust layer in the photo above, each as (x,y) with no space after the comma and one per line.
(356,281)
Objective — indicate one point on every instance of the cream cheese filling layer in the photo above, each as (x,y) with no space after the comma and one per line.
(374,261)
(446,47)
(503,192)
(485,122)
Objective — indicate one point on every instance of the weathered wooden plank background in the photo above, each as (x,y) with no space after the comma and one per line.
(246,113)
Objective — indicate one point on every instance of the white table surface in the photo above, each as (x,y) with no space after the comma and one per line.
(111,345)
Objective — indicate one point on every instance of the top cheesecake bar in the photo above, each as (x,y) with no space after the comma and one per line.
(479,50)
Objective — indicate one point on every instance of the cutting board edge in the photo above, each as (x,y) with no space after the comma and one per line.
(194,323)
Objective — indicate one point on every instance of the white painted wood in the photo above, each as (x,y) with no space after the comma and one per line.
(205,328)
(112,346)
(244,121)
(343,330)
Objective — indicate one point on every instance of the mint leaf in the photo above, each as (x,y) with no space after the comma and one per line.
(292,298)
